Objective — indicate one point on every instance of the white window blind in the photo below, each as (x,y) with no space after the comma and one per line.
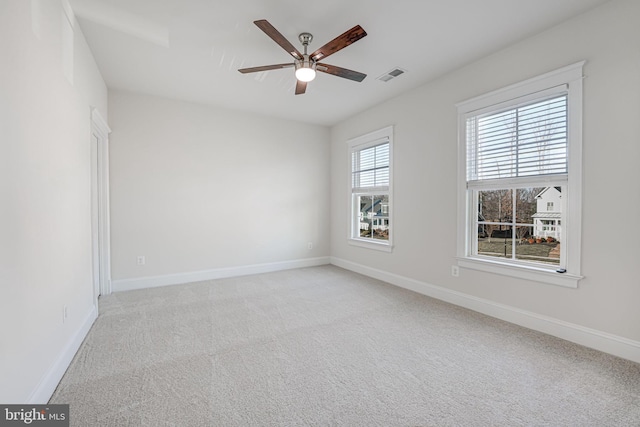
(370,168)
(524,141)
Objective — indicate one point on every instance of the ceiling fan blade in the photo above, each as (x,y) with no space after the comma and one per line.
(340,42)
(264,68)
(301,87)
(340,72)
(275,35)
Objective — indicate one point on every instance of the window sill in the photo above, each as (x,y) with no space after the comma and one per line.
(522,272)
(371,244)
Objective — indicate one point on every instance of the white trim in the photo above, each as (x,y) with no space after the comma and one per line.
(371,244)
(593,338)
(372,138)
(99,122)
(51,378)
(572,202)
(218,273)
(101,130)
(533,273)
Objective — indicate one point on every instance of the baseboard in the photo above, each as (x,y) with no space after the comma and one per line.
(47,385)
(218,273)
(602,341)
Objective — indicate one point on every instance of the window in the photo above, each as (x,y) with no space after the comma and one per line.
(370,189)
(520,174)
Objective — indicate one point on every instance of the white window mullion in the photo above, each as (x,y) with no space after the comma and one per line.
(514,201)
(539,181)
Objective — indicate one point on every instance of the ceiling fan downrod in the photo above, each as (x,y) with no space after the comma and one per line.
(305,67)
(305,39)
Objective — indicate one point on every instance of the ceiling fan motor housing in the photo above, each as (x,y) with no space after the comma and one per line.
(305,39)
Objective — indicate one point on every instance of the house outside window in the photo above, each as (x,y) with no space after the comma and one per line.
(547,219)
(519,179)
(370,179)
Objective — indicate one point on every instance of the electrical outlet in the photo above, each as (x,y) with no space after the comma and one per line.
(141,260)
(310,245)
(455,271)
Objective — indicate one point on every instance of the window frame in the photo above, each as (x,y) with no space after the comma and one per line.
(380,136)
(568,80)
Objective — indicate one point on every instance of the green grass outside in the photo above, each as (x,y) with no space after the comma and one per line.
(539,252)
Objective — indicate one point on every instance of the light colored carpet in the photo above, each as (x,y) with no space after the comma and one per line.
(326,347)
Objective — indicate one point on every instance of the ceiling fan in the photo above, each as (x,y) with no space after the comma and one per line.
(307,64)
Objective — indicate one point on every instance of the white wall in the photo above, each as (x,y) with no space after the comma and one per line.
(200,189)
(425,151)
(45,211)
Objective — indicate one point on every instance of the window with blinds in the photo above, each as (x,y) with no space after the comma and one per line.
(370,181)
(524,141)
(370,168)
(519,179)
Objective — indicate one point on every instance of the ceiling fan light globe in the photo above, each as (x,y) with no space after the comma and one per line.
(305,69)
(305,74)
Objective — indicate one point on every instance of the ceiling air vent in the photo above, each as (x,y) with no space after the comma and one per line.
(392,74)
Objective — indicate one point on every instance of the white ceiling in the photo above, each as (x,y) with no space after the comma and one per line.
(191,49)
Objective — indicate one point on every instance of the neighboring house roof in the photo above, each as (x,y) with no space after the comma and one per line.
(545,190)
(548,215)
